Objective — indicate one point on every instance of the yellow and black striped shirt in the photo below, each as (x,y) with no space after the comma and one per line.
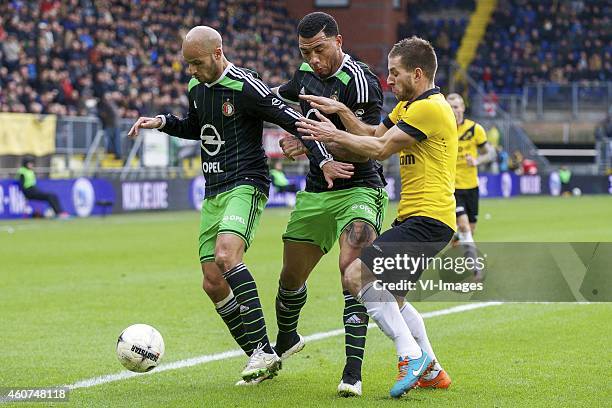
(471,137)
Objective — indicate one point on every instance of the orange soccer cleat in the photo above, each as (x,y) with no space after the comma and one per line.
(442,380)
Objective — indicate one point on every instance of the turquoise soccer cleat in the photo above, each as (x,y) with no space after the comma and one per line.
(409,373)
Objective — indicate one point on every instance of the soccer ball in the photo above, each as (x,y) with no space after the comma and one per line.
(140,347)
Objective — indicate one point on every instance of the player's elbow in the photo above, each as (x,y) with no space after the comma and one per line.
(382,151)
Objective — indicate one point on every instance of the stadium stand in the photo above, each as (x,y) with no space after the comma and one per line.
(443,22)
(546,41)
(61,57)
(64,57)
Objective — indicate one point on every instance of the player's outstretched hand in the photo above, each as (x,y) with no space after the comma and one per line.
(333,170)
(144,122)
(322,130)
(325,105)
(292,147)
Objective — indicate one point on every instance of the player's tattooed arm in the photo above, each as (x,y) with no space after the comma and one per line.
(349,120)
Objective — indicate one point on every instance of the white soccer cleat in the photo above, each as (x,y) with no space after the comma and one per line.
(296,348)
(349,390)
(254,381)
(261,364)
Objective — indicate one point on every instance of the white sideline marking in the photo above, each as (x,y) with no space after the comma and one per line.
(12,228)
(190,362)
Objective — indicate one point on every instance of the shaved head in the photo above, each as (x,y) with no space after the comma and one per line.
(202,39)
(202,50)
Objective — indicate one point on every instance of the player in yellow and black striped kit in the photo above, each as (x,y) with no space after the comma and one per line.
(473,150)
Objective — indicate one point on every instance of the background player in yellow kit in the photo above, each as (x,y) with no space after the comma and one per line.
(472,151)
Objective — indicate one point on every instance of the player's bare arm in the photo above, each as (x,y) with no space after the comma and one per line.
(344,154)
(292,148)
(486,154)
(144,122)
(349,120)
(378,148)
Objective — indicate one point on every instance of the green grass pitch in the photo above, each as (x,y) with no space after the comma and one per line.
(67,289)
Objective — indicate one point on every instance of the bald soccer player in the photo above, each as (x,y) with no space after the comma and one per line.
(227,108)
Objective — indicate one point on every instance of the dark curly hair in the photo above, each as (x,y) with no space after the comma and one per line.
(313,23)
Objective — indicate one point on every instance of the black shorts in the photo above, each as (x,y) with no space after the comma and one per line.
(467,203)
(418,237)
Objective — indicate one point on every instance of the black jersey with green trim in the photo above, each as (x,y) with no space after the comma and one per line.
(227,117)
(359,89)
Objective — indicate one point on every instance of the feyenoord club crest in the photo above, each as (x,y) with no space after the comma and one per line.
(228,109)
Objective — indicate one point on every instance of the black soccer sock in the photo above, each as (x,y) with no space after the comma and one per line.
(289,303)
(241,281)
(355,329)
(230,313)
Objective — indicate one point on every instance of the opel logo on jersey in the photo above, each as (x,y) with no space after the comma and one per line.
(213,141)
(228,109)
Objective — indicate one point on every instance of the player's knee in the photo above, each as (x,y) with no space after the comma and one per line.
(359,234)
(226,259)
(213,285)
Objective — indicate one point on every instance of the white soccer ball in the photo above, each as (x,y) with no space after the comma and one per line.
(140,347)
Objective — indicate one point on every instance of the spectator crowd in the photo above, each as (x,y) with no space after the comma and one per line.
(71,57)
(548,40)
(443,23)
(81,57)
